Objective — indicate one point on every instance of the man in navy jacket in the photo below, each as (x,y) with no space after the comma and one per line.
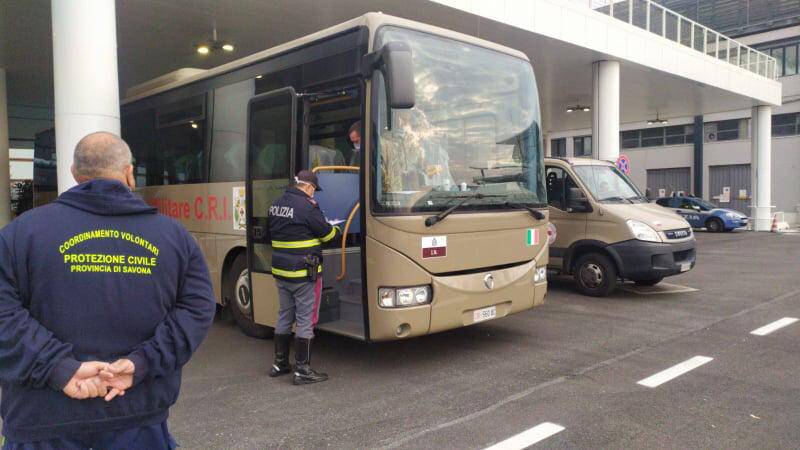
(100,296)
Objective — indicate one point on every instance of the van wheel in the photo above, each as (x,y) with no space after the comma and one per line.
(714,225)
(240,299)
(650,282)
(595,275)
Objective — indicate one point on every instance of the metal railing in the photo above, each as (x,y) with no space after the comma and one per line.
(651,16)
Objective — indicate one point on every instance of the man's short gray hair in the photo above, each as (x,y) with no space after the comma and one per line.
(101,154)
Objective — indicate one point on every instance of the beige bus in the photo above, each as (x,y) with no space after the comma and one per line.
(443,206)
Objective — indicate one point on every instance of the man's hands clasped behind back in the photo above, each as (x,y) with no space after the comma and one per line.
(99,379)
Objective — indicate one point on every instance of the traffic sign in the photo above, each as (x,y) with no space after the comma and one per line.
(624,164)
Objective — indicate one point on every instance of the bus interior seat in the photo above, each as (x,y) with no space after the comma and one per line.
(339,196)
(319,155)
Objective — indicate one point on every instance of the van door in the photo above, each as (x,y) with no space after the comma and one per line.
(570,226)
(271,140)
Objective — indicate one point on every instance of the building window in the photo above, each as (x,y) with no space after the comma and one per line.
(679,134)
(558,147)
(652,137)
(785,56)
(582,145)
(630,139)
(786,124)
(726,130)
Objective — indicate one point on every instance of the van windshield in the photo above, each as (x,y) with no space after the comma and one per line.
(608,184)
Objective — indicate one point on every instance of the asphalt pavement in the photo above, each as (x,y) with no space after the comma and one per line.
(675,370)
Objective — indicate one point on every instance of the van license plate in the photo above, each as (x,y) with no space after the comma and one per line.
(685,267)
(479,315)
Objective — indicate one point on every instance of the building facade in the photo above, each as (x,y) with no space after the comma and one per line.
(663,149)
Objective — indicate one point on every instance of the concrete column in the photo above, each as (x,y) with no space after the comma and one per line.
(605,110)
(85,75)
(5,170)
(761,167)
(698,168)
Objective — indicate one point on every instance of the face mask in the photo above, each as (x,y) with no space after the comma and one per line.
(357,147)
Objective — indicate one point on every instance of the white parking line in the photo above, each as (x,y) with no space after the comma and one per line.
(528,437)
(778,324)
(674,371)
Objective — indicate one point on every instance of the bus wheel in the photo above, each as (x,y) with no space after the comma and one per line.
(241,300)
(595,275)
(714,225)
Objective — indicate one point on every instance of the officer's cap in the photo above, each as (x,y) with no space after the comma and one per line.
(307,176)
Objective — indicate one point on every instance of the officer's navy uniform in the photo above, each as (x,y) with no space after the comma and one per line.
(297,229)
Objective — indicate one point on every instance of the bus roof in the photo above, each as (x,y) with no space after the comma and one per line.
(371,20)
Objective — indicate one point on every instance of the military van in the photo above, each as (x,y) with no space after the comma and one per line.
(607,232)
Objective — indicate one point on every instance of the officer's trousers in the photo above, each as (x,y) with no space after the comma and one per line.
(151,437)
(299,305)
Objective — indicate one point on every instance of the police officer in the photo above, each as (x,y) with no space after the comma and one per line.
(298,228)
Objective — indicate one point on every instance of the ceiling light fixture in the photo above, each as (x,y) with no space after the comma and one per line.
(657,120)
(578,107)
(214,43)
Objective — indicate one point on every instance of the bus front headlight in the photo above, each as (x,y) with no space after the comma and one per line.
(642,231)
(404,297)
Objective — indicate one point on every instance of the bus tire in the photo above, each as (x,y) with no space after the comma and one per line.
(595,275)
(714,225)
(241,300)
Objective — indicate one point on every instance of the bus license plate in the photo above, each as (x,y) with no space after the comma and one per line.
(685,267)
(479,315)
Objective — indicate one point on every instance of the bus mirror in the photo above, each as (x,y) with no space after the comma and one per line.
(394,60)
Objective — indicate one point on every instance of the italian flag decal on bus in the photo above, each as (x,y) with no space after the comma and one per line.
(532,237)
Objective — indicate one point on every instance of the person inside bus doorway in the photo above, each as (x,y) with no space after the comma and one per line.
(354,134)
(100,296)
(297,229)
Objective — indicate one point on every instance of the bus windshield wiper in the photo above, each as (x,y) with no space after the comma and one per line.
(538,215)
(433,220)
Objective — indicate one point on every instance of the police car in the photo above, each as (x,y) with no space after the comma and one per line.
(702,214)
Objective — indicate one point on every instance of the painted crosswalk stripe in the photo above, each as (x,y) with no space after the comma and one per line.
(778,324)
(528,437)
(674,371)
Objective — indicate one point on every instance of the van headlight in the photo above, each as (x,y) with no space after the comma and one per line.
(404,297)
(540,275)
(643,231)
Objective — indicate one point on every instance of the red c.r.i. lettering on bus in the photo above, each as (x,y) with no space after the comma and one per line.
(198,208)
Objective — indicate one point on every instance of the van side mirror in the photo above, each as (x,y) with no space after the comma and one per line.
(394,60)
(577,201)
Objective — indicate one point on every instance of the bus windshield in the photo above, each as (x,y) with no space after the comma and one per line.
(474,129)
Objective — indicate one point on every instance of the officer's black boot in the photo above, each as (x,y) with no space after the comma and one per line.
(303,373)
(281,365)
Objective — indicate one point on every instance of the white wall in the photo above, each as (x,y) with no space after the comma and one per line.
(668,157)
